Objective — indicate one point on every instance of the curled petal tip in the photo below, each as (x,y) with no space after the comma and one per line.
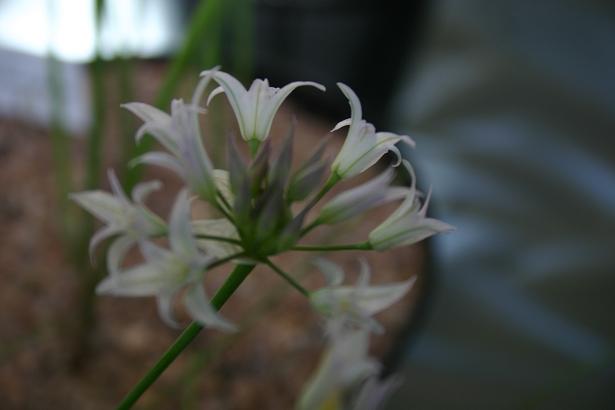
(316,85)
(409,141)
(210,71)
(341,125)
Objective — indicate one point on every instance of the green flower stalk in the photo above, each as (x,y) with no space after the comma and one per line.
(263,206)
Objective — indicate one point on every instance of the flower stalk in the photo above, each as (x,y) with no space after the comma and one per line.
(287,278)
(233,282)
(363,246)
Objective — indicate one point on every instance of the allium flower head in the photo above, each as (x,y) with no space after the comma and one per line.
(261,205)
(363,146)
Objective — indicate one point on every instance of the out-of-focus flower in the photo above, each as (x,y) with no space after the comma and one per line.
(374,392)
(344,364)
(360,199)
(363,146)
(256,107)
(130,220)
(179,133)
(356,304)
(165,273)
(408,224)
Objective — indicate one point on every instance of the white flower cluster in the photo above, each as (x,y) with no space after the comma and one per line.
(253,199)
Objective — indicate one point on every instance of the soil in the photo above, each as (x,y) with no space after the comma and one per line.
(49,361)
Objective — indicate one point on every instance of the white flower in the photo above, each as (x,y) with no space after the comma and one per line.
(223,185)
(374,392)
(344,364)
(360,199)
(363,146)
(256,107)
(217,227)
(165,273)
(130,220)
(356,304)
(180,134)
(408,224)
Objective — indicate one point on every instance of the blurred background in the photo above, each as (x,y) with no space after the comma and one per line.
(512,106)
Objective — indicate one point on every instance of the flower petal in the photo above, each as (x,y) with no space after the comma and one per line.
(216,91)
(143,190)
(341,125)
(223,185)
(360,199)
(100,236)
(164,134)
(202,85)
(216,227)
(374,299)
(164,302)
(407,232)
(235,93)
(116,253)
(153,252)
(201,310)
(147,113)
(147,279)
(180,230)
(161,159)
(269,108)
(375,391)
(116,188)
(356,113)
(334,275)
(102,205)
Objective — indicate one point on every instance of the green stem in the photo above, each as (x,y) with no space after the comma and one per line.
(253,144)
(364,246)
(287,277)
(223,200)
(311,226)
(228,288)
(333,179)
(218,238)
(222,261)
(224,207)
